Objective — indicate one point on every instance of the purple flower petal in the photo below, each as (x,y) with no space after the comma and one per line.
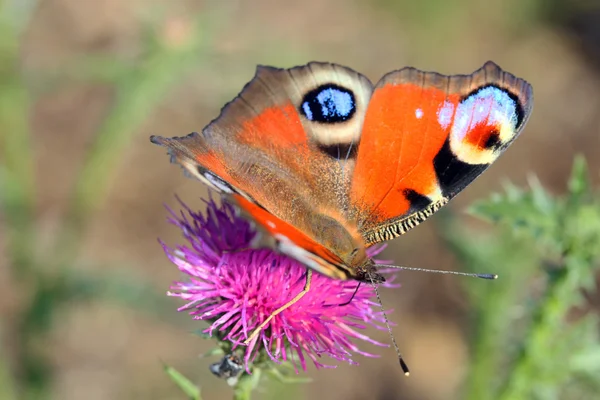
(236,288)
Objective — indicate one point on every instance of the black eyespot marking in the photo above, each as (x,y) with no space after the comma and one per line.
(453,174)
(493,141)
(340,151)
(329,104)
(416,199)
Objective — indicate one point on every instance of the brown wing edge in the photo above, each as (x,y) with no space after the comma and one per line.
(465,84)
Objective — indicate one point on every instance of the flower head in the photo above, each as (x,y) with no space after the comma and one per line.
(236,287)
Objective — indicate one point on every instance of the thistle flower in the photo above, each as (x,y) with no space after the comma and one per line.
(235,287)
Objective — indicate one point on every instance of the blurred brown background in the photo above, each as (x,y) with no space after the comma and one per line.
(102,350)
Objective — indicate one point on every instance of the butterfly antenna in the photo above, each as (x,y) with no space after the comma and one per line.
(438,271)
(387,324)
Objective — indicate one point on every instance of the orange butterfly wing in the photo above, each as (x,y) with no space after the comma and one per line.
(425,137)
(294,242)
(274,162)
(285,151)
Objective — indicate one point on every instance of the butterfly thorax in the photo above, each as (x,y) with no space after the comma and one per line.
(345,241)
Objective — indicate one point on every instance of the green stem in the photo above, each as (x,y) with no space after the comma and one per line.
(138,91)
(8,390)
(246,385)
(17,193)
(485,358)
(494,300)
(530,366)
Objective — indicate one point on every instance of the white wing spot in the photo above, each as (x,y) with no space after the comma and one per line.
(217,183)
(419,113)
(271,224)
(445,114)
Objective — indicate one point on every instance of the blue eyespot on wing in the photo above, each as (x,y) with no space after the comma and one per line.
(329,104)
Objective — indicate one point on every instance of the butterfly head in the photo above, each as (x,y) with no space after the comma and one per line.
(368,273)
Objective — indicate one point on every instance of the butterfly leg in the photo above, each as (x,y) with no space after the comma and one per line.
(282,308)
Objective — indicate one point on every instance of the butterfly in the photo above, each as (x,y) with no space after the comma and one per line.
(329,164)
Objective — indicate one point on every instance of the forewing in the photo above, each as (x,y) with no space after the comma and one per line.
(276,149)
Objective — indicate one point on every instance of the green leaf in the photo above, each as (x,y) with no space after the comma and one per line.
(215,351)
(523,323)
(499,308)
(535,212)
(202,334)
(283,376)
(579,183)
(542,200)
(588,360)
(190,389)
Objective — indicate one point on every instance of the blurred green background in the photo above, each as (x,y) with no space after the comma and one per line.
(82,278)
